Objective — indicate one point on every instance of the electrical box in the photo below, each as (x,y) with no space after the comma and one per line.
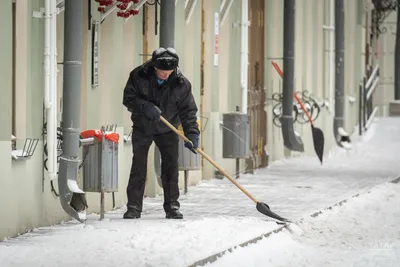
(235,135)
(100,169)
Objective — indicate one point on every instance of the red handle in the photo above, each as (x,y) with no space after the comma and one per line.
(280,72)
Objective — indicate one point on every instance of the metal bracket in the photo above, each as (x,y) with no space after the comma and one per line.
(237,24)
(38,14)
(28,150)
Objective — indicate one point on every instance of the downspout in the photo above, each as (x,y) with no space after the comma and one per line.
(244,54)
(47,15)
(397,57)
(331,51)
(50,102)
(290,139)
(338,122)
(167,24)
(72,198)
(52,111)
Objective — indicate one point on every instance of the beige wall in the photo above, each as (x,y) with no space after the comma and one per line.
(312,68)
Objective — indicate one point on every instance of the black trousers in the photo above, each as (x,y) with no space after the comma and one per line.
(167,143)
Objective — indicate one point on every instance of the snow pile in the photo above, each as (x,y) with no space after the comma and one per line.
(150,241)
(361,232)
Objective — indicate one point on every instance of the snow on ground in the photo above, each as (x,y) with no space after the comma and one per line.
(218,216)
(150,241)
(362,232)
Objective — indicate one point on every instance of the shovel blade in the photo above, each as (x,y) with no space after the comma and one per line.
(319,141)
(264,209)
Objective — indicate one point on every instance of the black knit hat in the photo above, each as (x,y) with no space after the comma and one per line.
(165,59)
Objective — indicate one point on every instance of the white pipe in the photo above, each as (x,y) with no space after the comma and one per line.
(332,52)
(372,76)
(46,54)
(244,54)
(221,7)
(52,111)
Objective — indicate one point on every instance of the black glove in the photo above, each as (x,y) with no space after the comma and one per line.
(152,112)
(194,142)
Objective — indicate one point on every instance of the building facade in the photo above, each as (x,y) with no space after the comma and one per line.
(208,40)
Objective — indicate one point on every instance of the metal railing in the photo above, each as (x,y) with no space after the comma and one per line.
(367,110)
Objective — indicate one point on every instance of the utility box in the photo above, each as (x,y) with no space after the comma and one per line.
(100,169)
(188,161)
(235,135)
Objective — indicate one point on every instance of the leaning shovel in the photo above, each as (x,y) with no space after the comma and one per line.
(261,207)
(317,134)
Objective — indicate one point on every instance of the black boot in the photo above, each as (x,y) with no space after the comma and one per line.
(132,214)
(174,214)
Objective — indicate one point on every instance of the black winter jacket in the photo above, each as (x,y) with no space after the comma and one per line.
(174,97)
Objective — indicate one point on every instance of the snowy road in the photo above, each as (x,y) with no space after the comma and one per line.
(363,232)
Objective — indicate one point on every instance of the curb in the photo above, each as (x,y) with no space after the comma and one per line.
(214,257)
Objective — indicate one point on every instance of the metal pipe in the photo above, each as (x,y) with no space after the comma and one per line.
(52,111)
(371,117)
(244,57)
(397,58)
(237,168)
(360,110)
(290,139)
(372,76)
(72,198)
(371,90)
(167,24)
(338,120)
(46,17)
(331,51)
(186,180)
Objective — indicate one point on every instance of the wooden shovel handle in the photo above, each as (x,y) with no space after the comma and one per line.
(181,135)
(280,72)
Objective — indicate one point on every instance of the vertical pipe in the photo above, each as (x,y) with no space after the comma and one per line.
(364,102)
(290,139)
(360,103)
(47,85)
(202,60)
(52,111)
(244,57)
(47,15)
(72,198)
(339,63)
(186,172)
(237,168)
(102,208)
(331,50)
(397,58)
(167,24)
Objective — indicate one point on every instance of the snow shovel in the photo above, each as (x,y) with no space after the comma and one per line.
(317,134)
(261,207)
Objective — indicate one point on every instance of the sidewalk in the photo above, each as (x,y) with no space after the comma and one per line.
(217,214)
